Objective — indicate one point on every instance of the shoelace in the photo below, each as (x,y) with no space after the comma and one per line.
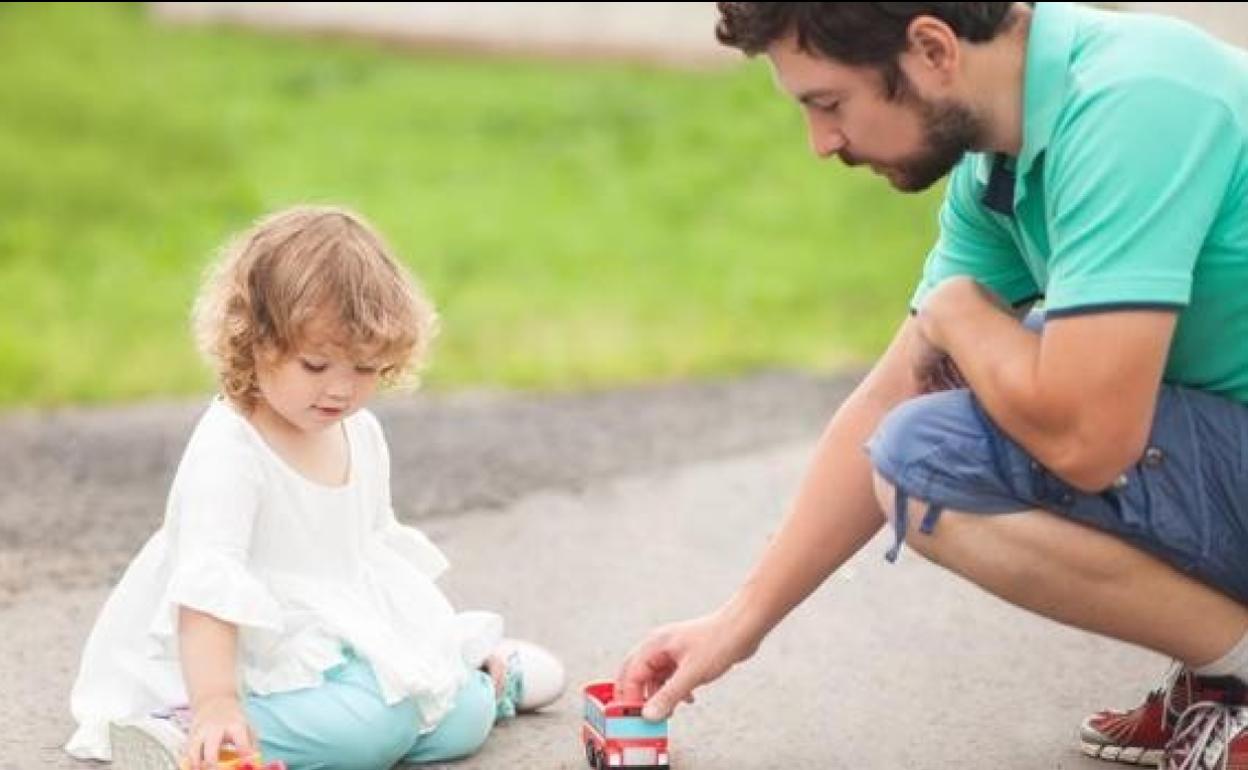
(1203,735)
(1176,679)
(1170,684)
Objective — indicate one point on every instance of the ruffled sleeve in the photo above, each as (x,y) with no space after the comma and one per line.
(414,546)
(213,506)
(410,543)
(216,585)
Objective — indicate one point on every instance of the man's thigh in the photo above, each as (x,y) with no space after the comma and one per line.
(1185,500)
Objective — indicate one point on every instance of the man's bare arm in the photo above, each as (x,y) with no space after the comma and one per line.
(1080,397)
(833,515)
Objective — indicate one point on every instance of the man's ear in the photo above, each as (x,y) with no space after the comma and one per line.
(933,47)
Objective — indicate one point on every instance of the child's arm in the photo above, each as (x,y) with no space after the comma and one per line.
(208,648)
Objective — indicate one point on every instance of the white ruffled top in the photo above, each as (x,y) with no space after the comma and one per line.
(301,568)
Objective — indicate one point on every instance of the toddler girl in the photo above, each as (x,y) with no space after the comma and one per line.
(281,599)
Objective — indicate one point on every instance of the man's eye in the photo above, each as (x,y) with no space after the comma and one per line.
(308,366)
(366,370)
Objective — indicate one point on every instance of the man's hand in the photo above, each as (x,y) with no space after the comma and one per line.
(956,300)
(934,370)
(674,659)
(1079,397)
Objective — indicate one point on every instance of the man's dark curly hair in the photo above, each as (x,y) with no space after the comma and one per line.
(858,34)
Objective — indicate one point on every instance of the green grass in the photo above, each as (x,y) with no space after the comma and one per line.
(578,225)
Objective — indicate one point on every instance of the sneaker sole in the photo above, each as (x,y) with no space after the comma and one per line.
(136,749)
(1129,755)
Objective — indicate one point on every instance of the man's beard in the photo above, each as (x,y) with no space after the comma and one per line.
(950,130)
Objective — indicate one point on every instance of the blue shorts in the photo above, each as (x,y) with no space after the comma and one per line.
(1185,501)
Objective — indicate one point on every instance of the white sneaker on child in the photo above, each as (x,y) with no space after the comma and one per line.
(150,743)
(541,676)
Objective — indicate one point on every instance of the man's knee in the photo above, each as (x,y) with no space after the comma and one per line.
(885,493)
(914,429)
(923,539)
(908,440)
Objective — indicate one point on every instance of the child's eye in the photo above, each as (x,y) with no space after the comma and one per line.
(365,369)
(313,368)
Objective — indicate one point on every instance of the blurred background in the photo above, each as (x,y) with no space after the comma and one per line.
(594,194)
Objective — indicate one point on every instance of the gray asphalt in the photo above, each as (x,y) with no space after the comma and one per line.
(586,519)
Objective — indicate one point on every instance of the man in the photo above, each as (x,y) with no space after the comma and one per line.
(1092,469)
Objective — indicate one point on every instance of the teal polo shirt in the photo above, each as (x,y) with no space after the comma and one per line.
(1130,191)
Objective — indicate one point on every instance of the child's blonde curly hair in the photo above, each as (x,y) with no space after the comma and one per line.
(306,265)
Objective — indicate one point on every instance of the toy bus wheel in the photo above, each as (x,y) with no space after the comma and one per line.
(591,756)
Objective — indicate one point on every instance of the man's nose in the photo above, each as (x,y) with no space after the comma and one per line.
(825,141)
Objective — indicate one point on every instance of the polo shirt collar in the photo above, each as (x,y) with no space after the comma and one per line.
(1050,47)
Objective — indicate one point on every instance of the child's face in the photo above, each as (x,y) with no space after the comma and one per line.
(315,386)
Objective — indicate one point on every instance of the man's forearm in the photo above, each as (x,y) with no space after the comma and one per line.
(1083,433)
(833,516)
(999,358)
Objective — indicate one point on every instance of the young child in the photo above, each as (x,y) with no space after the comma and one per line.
(281,599)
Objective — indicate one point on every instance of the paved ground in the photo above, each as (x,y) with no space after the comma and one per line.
(585,520)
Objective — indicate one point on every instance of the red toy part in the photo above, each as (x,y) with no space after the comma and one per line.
(228,760)
(249,765)
(614,733)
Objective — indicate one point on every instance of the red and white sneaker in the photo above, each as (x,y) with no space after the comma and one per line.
(1209,736)
(1140,736)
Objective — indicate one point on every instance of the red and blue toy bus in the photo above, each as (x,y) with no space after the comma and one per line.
(615,734)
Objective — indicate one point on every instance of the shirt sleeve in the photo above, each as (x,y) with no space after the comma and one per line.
(973,243)
(216,500)
(409,542)
(1137,174)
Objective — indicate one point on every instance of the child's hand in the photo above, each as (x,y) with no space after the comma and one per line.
(216,722)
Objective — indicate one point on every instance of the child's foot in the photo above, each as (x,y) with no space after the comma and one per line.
(533,678)
(151,743)
(157,743)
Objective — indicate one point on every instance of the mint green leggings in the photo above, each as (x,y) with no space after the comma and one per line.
(344,724)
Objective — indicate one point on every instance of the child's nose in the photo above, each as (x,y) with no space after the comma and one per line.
(340,388)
